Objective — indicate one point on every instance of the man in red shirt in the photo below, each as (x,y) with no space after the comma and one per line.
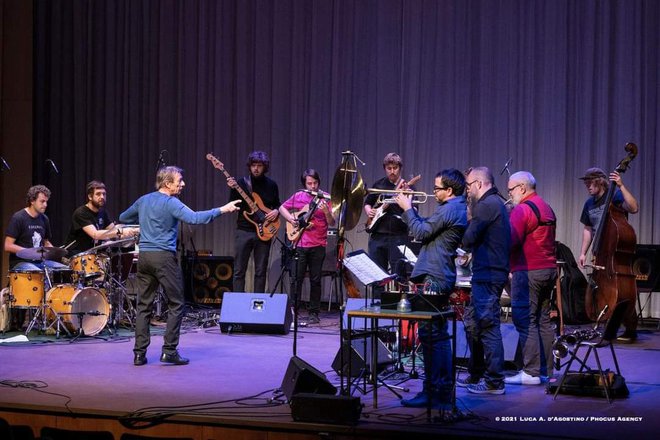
(534,271)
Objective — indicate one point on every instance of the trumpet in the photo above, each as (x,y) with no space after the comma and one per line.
(386,196)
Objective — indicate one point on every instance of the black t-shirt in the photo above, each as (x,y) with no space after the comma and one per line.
(267,190)
(28,231)
(83,216)
(391,222)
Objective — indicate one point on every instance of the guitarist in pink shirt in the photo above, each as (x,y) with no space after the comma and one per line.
(308,214)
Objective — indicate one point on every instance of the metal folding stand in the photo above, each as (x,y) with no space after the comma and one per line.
(41,311)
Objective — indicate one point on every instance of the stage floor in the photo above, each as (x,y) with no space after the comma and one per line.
(230,379)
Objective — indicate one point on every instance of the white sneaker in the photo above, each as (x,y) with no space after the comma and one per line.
(522,378)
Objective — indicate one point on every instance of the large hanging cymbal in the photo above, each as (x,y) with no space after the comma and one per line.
(347,194)
(42,253)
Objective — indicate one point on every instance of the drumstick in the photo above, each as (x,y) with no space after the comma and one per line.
(69,245)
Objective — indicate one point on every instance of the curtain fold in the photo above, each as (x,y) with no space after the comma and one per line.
(557,86)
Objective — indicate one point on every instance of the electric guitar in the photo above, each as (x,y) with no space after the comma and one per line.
(380,210)
(257,214)
(305,214)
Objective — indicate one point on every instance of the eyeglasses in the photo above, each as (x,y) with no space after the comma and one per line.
(439,188)
(514,187)
(469,184)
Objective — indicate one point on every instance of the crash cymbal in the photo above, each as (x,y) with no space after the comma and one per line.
(42,253)
(124,242)
(347,194)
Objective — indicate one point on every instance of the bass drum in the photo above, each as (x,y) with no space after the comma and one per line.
(87,308)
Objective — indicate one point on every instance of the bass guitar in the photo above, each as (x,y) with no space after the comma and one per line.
(380,210)
(257,213)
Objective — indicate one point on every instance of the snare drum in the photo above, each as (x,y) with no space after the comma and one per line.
(26,287)
(91,264)
(75,306)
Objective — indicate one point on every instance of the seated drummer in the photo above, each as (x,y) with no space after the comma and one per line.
(29,228)
(90,223)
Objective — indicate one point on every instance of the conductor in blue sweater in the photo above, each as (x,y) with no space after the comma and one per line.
(158,214)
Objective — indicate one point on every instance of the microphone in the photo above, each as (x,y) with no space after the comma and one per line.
(4,163)
(52,164)
(506,166)
(318,194)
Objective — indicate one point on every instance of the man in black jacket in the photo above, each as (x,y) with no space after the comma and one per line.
(488,237)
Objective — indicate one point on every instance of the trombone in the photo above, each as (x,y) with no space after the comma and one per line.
(386,196)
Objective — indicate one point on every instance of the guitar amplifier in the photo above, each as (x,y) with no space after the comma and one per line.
(207,278)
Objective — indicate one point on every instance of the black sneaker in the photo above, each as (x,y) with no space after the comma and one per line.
(627,337)
(466,381)
(421,400)
(484,387)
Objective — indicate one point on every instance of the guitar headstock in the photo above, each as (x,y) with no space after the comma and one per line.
(216,163)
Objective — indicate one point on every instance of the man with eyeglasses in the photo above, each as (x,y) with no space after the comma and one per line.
(488,237)
(435,268)
(597,183)
(533,276)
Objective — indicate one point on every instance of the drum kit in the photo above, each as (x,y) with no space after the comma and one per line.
(82,298)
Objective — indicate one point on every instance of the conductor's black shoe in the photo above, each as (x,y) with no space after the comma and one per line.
(173,358)
(139,359)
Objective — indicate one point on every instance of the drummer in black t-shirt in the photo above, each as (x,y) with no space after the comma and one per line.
(91,223)
(29,227)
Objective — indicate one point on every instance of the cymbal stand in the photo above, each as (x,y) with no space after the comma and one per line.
(121,304)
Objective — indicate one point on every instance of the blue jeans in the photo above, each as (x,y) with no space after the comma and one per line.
(530,304)
(436,347)
(482,328)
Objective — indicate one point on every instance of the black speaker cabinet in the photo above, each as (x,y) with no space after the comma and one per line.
(646,267)
(319,408)
(255,313)
(207,279)
(301,377)
(359,355)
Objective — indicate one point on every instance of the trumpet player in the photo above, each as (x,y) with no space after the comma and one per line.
(534,271)
(386,229)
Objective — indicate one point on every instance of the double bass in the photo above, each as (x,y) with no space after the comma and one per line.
(612,279)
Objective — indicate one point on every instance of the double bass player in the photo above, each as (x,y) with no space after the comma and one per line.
(596,182)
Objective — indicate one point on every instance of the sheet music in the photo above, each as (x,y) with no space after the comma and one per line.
(365,269)
(408,253)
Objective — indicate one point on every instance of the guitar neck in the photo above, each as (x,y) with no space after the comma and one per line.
(242,193)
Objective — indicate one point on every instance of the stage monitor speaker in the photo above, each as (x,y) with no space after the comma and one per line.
(255,313)
(359,355)
(301,377)
(646,267)
(319,408)
(207,278)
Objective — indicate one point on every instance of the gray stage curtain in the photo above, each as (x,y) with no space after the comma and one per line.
(558,86)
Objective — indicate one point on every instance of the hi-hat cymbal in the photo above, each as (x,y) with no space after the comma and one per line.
(42,253)
(124,242)
(347,195)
